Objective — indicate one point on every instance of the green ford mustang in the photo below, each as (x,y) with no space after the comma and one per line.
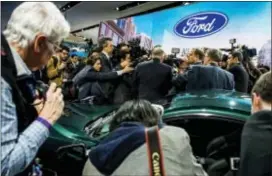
(205,115)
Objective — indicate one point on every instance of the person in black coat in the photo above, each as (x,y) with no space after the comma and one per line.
(88,80)
(241,77)
(123,91)
(107,49)
(152,79)
(256,141)
(203,77)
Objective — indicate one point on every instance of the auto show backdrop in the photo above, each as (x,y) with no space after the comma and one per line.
(203,24)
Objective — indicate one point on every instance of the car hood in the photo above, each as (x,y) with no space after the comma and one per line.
(77,115)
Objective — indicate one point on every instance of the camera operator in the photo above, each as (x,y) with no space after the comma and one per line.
(239,73)
(32,34)
(56,66)
(253,72)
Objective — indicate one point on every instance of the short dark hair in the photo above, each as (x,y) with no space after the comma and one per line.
(135,111)
(92,60)
(263,87)
(215,55)
(103,42)
(199,53)
(120,45)
(63,47)
(73,55)
(237,54)
(123,54)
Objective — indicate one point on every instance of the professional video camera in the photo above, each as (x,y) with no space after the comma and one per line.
(247,52)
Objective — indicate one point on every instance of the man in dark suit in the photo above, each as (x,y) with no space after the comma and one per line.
(195,57)
(107,49)
(256,141)
(207,76)
(152,79)
(239,73)
(106,45)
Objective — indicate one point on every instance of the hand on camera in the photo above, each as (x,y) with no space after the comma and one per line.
(54,104)
(127,69)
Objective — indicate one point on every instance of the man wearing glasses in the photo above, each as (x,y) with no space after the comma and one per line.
(27,44)
(57,64)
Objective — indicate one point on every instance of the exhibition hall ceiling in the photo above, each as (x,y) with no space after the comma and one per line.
(87,13)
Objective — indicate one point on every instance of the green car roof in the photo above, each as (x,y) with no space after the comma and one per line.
(221,102)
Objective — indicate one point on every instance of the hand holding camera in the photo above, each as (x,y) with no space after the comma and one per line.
(54,104)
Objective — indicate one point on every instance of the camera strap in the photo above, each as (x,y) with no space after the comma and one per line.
(154,152)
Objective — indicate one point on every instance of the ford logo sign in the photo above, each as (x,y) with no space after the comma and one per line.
(201,24)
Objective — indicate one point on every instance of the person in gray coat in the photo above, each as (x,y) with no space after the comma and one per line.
(124,151)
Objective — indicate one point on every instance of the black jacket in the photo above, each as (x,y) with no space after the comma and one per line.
(152,80)
(256,145)
(88,77)
(107,87)
(106,63)
(123,89)
(200,77)
(240,77)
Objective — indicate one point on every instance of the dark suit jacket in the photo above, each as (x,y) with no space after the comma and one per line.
(200,77)
(256,145)
(107,87)
(106,63)
(240,77)
(123,88)
(152,80)
(86,78)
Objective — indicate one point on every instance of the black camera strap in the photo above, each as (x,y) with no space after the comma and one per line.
(154,152)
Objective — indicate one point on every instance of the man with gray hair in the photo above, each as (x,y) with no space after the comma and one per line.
(152,79)
(205,77)
(33,33)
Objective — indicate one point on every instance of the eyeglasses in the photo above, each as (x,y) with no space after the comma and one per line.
(55,46)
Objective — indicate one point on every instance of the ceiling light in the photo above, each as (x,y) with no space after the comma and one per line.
(186,3)
(117,8)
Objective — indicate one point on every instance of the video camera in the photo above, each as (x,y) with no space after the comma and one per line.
(247,52)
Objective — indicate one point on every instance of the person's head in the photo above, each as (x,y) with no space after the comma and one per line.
(123,46)
(74,58)
(158,53)
(183,65)
(125,58)
(213,56)
(262,93)
(95,62)
(106,45)
(63,52)
(235,57)
(35,29)
(195,55)
(135,111)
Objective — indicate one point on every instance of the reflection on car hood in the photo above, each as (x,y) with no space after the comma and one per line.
(215,99)
(77,115)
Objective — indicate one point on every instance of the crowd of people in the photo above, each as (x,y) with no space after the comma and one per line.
(113,75)
(31,51)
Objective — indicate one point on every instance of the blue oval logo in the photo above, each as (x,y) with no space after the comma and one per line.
(201,24)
